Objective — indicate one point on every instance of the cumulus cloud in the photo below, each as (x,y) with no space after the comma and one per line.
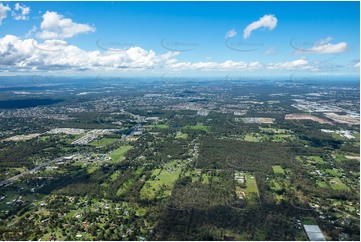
(58,55)
(53,55)
(20,12)
(322,46)
(56,26)
(3,10)
(324,41)
(227,65)
(230,34)
(267,21)
(270,51)
(31,32)
(300,64)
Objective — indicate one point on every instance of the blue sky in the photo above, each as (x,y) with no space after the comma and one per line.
(180,38)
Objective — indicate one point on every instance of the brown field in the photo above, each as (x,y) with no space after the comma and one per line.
(343,119)
(352,157)
(258,120)
(22,137)
(306,117)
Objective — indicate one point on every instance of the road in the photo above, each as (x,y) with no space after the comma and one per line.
(14,178)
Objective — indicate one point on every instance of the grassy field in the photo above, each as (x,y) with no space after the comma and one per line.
(298,158)
(167,178)
(91,169)
(316,159)
(159,126)
(45,137)
(274,130)
(20,169)
(339,157)
(252,189)
(181,135)
(198,126)
(332,172)
(336,136)
(321,184)
(192,174)
(278,170)
(337,184)
(78,163)
(251,138)
(102,142)
(274,135)
(282,137)
(197,175)
(124,187)
(156,172)
(119,154)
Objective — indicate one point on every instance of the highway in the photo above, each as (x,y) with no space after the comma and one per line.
(14,178)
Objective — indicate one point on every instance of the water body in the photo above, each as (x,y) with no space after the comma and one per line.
(28,103)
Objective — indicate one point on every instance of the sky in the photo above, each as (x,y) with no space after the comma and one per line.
(252,39)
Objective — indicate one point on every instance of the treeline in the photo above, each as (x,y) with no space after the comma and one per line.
(241,155)
(271,222)
(17,154)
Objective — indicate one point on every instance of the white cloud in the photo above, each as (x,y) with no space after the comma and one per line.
(322,46)
(267,21)
(206,66)
(270,51)
(53,55)
(55,26)
(31,32)
(324,41)
(57,55)
(3,10)
(20,12)
(30,55)
(230,34)
(300,64)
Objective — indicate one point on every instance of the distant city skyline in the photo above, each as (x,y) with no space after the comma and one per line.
(248,39)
